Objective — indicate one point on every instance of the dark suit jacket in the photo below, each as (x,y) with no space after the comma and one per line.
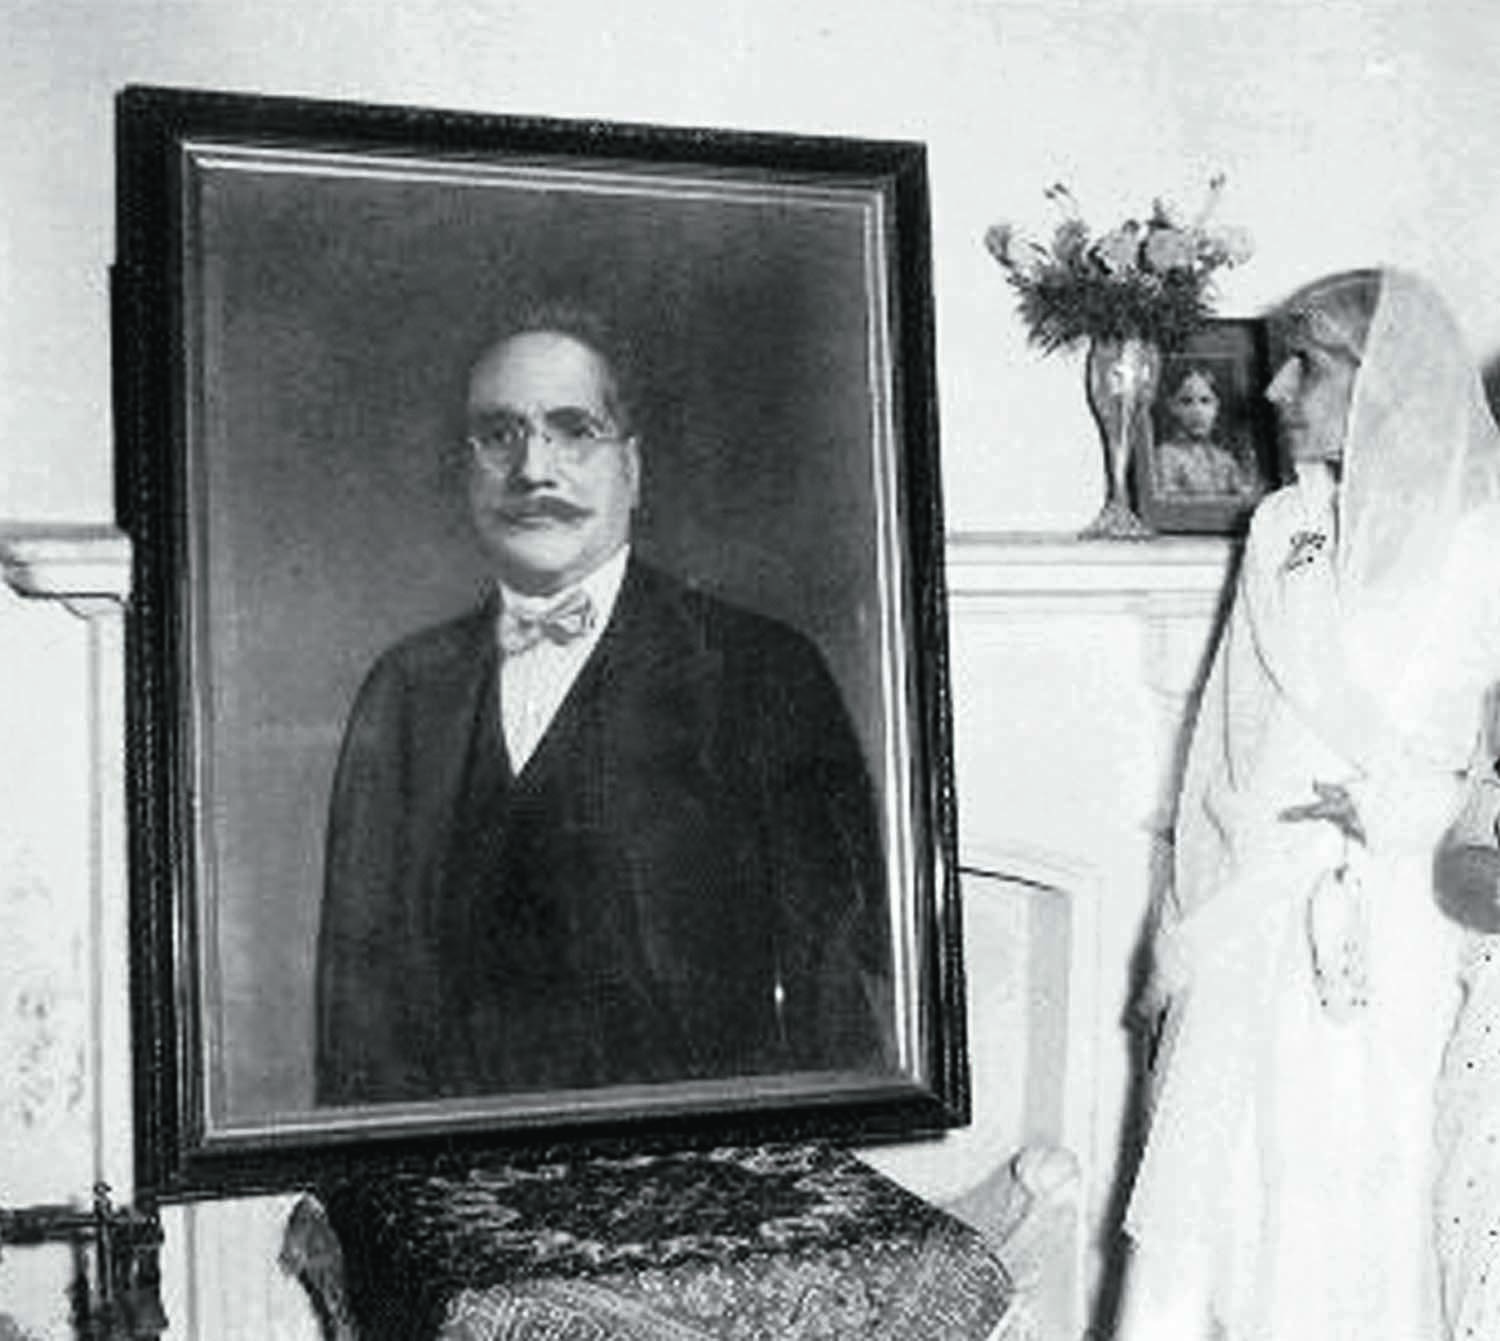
(685,881)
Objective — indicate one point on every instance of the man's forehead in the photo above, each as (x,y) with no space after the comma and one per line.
(542,367)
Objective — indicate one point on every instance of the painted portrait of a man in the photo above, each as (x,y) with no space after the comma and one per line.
(604,828)
(560,652)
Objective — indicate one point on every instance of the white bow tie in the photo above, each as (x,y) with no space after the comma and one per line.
(568,620)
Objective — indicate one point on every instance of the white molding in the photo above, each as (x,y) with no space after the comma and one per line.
(223,1275)
(1176,586)
(66,562)
(1184,573)
(114,1150)
(86,570)
(1081,885)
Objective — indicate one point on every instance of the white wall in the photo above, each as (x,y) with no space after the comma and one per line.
(1351,131)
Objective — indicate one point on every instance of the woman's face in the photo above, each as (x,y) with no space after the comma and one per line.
(1194,407)
(1311,392)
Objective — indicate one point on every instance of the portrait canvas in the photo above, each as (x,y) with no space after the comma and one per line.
(751,769)
(1212,454)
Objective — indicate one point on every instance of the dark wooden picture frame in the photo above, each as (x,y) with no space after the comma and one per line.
(301,289)
(1210,485)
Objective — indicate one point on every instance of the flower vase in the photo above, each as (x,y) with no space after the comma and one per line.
(1122,377)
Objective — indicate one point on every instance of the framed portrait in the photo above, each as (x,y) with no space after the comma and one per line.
(1213,452)
(539,731)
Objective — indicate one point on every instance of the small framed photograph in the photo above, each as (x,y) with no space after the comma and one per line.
(1213,452)
(539,722)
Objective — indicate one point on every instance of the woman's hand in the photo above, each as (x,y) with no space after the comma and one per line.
(1335,805)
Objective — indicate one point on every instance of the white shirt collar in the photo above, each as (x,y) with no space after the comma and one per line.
(602,586)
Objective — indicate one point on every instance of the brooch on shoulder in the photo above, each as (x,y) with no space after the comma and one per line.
(1305,547)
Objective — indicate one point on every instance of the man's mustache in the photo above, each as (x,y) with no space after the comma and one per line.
(530,509)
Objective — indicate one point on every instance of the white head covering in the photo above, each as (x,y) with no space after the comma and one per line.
(1421,447)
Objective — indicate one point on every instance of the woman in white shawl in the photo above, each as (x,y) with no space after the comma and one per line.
(1286,1192)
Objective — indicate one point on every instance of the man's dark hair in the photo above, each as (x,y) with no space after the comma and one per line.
(590,327)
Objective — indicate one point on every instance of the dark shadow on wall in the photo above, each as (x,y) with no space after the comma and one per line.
(1145,1018)
(1489,372)
(1143,1029)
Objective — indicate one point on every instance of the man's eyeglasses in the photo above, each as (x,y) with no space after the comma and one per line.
(574,434)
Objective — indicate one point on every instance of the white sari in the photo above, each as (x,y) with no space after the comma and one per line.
(1288,1177)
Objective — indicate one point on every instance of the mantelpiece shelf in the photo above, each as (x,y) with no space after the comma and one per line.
(1050,563)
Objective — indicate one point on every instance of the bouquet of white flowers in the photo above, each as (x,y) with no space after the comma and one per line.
(1151,280)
